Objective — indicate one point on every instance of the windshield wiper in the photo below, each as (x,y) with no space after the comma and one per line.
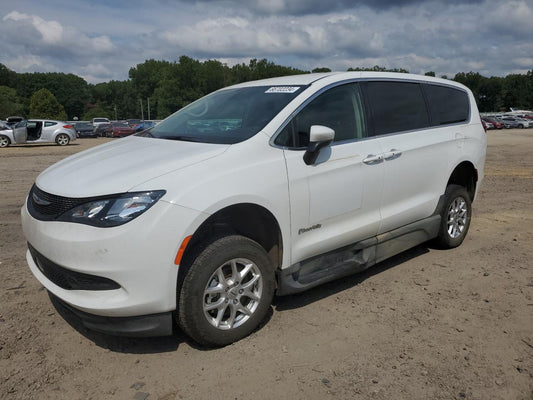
(183,138)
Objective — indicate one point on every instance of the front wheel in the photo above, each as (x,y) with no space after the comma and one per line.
(227,291)
(456,215)
(62,139)
(4,141)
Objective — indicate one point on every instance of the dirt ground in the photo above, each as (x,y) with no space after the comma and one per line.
(427,324)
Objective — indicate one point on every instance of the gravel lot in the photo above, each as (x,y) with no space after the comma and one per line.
(427,324)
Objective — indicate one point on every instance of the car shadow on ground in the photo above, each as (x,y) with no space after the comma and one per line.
(122,344)
(165,344)
(320,292)
(135,345)
(31,145)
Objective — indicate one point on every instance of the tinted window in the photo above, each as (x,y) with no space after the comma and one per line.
(447,105)
(396,106)
(50,123)
(228,116)
(339,108)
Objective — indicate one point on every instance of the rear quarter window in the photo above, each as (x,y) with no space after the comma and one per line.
(447,105)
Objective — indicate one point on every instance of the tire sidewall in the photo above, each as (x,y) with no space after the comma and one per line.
(191,316)
(452,193)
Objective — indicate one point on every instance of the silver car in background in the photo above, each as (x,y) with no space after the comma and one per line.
(38,131)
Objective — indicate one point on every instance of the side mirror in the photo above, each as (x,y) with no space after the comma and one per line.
(319,137)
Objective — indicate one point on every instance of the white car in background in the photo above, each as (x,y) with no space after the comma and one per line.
(38,131)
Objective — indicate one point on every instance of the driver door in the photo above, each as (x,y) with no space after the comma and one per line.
(334,202)
(20,132)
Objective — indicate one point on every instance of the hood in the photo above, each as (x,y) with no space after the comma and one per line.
(118,166)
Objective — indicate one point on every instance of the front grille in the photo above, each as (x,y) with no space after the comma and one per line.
(67,279)
(46,207)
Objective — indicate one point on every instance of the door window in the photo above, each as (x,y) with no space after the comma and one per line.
(396,106)
(339,108)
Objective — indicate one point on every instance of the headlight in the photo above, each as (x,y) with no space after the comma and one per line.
(114,210)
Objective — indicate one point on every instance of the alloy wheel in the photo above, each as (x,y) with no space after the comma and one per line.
(232,293)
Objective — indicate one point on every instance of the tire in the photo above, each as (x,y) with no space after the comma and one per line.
(456,215)
(218,304)
(4,141)
(62,139)
(521,126)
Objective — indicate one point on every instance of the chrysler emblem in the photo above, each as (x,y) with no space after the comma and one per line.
(40,201)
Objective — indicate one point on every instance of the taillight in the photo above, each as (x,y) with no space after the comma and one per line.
(67,126)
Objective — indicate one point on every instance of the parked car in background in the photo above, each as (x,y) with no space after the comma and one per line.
(85,129)
(136,124)
(39,131)
(12,121)
(103,129)
(5,134)
(514,122)
(148,124)
(494,121)
(120,129)
(486,124)
(97,121)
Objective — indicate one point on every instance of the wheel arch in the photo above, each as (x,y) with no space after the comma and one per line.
(466,175)
(247,219)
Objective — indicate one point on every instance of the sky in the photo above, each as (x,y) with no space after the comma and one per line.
(100,40)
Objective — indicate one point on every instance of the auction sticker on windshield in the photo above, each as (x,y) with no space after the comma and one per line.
(283,89)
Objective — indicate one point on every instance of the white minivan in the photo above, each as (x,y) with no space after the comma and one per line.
(272,186)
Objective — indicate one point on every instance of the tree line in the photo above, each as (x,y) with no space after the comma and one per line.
(162,87)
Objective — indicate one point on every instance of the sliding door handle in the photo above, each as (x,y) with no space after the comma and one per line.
(392,154)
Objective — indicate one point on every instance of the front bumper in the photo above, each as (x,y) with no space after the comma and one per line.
(139,326)
(138,256)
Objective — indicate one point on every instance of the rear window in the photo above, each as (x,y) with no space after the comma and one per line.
(447,105)
(396,106)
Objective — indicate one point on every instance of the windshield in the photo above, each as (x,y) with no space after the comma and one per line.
(227,116)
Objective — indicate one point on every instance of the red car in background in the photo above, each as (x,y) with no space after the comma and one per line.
(494,121)
(120,129)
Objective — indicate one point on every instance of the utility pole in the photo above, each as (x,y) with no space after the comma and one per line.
(142,111)
(148,108)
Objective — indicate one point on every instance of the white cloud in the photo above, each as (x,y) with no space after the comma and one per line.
(101,41)
(51,31)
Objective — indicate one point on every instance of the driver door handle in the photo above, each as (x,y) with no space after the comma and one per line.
(372,159)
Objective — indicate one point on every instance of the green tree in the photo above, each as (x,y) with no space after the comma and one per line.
(43,104)
(10,103)
(7,77)
(96,112)
(70,90)
(430,73)
(321,69)
(377,68)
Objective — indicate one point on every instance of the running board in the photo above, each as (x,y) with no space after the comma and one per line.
(355,257)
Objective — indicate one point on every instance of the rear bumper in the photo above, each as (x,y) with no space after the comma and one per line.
(138,326)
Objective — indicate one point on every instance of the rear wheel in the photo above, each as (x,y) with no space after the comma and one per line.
(62,139)
(456,215)
(227,291)
(4,141)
